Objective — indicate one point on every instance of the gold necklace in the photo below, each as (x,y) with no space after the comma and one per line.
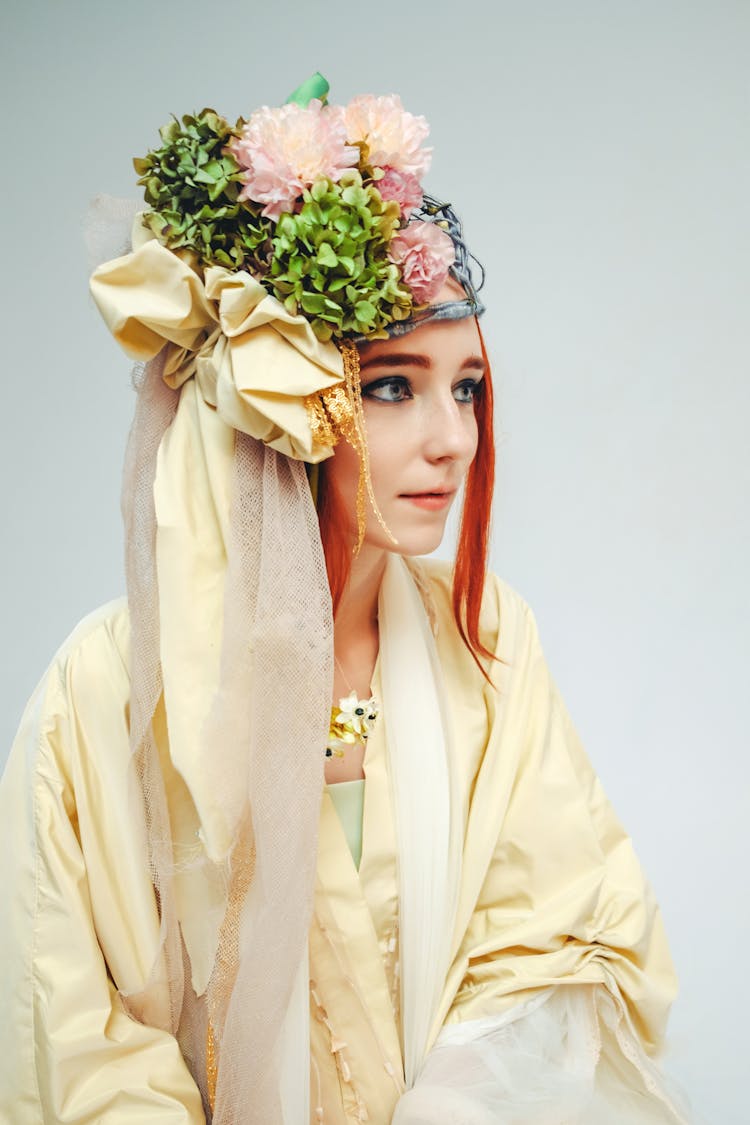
(351,721)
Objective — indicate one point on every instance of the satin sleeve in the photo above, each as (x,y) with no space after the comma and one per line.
(73,885)
(563,898)
(557,1000)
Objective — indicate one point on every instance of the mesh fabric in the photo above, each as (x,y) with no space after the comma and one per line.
(161,998)
(277,673)
(262,744)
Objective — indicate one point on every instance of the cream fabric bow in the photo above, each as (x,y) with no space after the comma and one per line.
(253,361)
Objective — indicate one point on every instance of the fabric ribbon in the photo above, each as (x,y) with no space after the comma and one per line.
(315,86)
(253,361)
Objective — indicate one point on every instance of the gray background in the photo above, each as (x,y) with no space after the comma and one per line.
(598,154)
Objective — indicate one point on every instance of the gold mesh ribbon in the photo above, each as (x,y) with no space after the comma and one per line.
(337,412)
(225,969)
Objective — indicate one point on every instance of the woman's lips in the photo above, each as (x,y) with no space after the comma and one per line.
(432,501)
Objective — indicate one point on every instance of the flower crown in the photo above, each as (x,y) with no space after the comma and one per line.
(322,204)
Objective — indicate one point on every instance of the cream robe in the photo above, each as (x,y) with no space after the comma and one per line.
(550,893)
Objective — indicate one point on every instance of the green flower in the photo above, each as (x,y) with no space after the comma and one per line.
(330,260)
(192,183)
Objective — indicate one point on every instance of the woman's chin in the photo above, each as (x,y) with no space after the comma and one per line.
(419,543)
(420,536)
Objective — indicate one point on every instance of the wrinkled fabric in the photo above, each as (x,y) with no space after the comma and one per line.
(253,360)
(551,892)
(561,1058)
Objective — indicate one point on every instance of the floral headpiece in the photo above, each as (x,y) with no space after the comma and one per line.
(270,249)
(322,204)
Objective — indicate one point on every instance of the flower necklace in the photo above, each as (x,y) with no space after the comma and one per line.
(351,721)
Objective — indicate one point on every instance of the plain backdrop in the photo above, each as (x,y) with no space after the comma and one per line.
(598,154)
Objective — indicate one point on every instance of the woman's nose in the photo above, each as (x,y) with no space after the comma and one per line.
(450,430)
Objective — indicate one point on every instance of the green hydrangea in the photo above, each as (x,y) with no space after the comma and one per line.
(330,260)
(192,183)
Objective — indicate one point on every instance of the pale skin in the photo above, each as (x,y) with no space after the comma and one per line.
(417,393)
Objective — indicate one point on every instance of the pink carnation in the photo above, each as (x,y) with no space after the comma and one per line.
(287,149)
(392,135)
(403,187)
(424,253)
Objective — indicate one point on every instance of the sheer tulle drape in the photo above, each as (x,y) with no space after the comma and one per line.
(564,1058)
(161,998)
(277,679)
(268,721)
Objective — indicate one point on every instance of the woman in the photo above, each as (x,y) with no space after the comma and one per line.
(191,934)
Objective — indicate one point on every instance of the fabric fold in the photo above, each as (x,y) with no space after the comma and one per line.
(422,764)
(548,898)
(255,362)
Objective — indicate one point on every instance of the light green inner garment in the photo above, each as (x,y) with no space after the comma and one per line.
(349,801)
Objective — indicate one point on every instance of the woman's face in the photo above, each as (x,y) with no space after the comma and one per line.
(417,394)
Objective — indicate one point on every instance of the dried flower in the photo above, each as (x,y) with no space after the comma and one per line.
(330,260)
(191,185)
(424,254)
(402,187)
(284,150)
(390,134)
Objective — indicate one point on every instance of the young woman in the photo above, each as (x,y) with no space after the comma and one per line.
(303,832)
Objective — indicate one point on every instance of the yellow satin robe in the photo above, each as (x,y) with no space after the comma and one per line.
(551,890)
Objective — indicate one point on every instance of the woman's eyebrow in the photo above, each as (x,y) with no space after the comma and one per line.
(405,359)
(474,363)
(389,359)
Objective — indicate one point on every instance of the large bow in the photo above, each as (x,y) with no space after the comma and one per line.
(256,363)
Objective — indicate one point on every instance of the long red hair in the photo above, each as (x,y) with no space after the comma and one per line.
(470,567)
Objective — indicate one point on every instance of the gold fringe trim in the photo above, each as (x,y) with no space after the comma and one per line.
(212,1066)
(227,956)
(338,412)
(319,418)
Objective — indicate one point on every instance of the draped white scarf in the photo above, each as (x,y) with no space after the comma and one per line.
(428,834)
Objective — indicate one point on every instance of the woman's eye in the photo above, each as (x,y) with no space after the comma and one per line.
(388,390)
(467,391)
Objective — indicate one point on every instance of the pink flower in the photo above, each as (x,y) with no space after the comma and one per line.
(424,253)
(286,149)
(393,136)
(403,187)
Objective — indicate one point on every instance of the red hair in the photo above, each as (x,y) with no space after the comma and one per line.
(470,567)
(332,516)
